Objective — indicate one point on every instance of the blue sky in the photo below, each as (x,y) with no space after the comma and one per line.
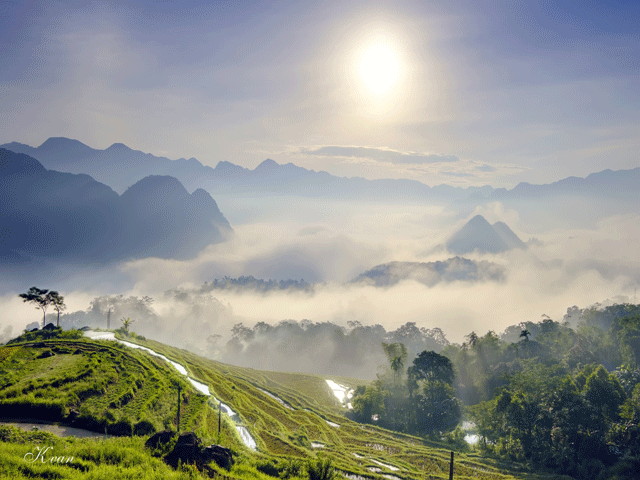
(487,92)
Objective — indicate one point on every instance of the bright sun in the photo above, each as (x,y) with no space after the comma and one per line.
(379,68)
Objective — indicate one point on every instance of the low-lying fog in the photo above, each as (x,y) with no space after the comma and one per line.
(330,243)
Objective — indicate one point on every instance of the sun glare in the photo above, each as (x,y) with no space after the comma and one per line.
(379,68)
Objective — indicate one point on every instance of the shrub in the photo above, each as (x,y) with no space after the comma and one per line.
(321,470)
(144,427)
(121,428)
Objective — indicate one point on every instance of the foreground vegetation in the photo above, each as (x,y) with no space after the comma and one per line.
(58,376)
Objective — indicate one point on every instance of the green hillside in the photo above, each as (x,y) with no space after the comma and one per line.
(102,385)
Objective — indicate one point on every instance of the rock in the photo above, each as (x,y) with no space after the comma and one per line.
(219,454)
(46,354)
(188,450)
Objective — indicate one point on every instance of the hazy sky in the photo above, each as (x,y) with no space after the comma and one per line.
(440,91)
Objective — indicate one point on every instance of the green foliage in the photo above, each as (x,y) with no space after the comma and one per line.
(39,297)
(369,403)
(431,366)
(82,458)
(94,385)
(55,333)
(321,470)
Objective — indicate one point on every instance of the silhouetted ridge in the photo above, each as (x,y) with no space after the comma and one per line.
(55,215)
(11,163)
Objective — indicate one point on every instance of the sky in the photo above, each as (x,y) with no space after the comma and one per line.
(457,92)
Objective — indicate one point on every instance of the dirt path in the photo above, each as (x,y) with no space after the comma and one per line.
(59,430)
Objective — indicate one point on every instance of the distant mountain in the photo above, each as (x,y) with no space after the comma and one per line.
(608,183)
(478,234)
(508,237)
(119,167)
(168,221)
(431,273)
(54,215)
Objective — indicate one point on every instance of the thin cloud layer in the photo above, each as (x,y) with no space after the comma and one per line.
(380,154)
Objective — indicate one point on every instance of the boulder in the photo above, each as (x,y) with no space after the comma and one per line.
(219,454)
(189,450)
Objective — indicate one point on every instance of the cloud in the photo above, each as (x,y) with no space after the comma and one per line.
(569,266)
(486,168)
(380,154)
(458,174)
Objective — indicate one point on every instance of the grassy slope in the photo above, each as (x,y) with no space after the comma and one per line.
(118,372)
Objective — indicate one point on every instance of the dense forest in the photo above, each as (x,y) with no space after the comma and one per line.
(558,398)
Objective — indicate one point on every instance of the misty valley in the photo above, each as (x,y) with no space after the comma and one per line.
(281,322)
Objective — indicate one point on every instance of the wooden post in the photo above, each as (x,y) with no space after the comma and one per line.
(219,420)
(179,395)
(451,467)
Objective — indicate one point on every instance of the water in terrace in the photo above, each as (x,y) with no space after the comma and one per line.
(201,387)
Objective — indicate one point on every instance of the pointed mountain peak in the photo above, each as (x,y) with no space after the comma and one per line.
(478,220)
(267,164)
(477,234)
(119,147)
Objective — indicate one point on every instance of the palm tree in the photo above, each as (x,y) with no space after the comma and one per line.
(397,355)
(126,323)
(473,339)
(525,334)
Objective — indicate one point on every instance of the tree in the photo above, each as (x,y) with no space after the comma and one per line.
(397,355)
(436,408)
(57,301)
(603,391)
(431,366)
(369,403)
(39,298)
(126,323)
(473,339)
(525,334)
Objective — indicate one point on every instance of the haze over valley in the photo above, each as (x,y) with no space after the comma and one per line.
(459,261)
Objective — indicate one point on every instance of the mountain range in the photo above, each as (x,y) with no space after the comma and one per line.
(54,215)
(120,166)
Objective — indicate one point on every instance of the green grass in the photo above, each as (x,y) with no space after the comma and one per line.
(115,385)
